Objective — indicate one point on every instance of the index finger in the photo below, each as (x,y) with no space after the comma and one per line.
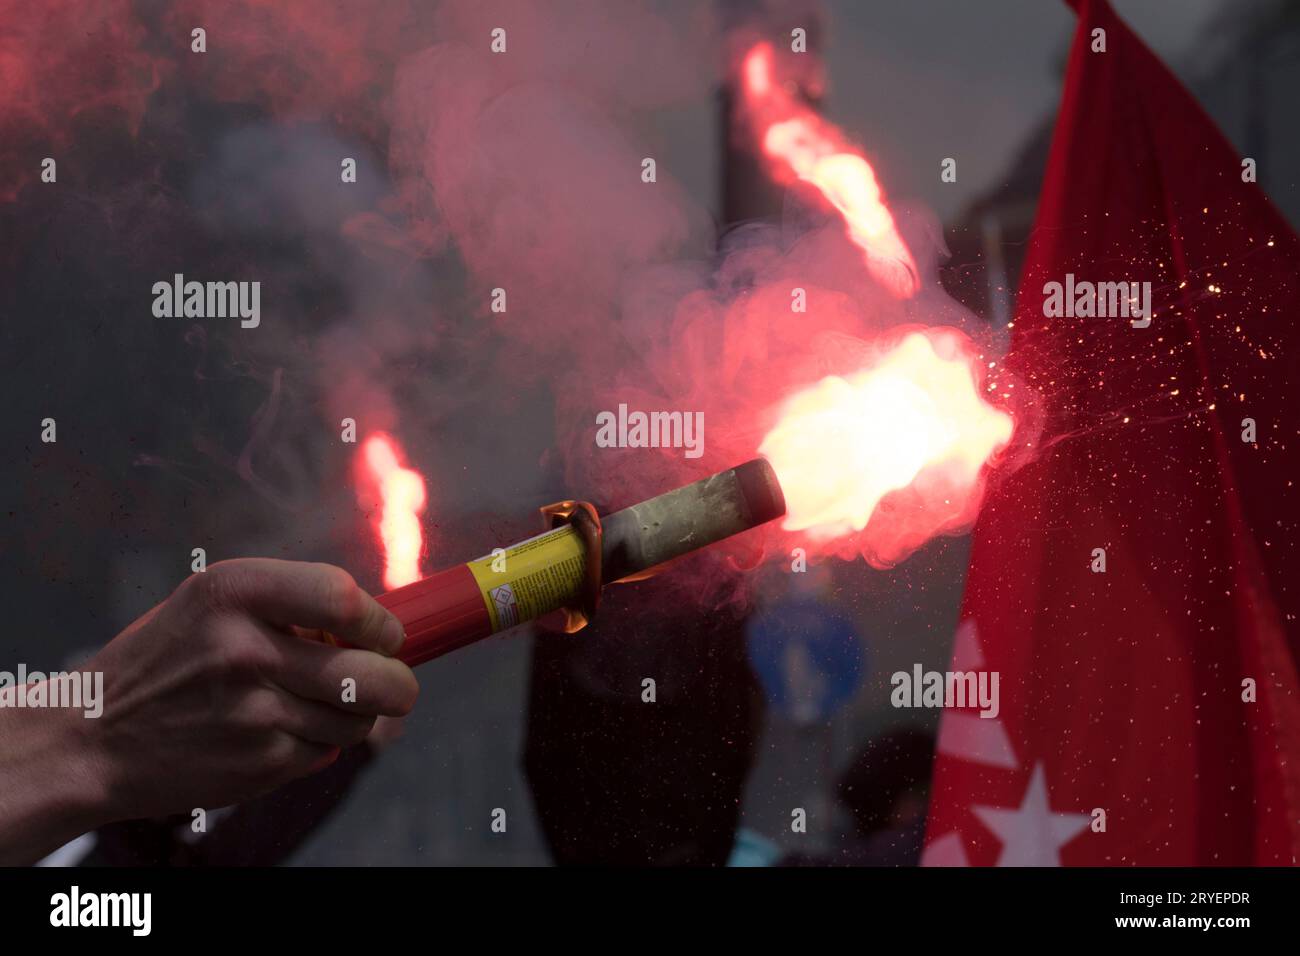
(289,593)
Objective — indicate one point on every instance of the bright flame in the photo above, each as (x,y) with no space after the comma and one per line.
(843,444)
(402,497)
(804,146)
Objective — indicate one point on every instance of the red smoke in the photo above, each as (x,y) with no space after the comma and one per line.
(60,60)
(534,170)
(528,165)
(300,59)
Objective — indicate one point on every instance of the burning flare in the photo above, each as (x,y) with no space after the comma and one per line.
(800,145)
(915,418)
(401,498)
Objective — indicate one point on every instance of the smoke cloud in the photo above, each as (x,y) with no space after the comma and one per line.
(478,171)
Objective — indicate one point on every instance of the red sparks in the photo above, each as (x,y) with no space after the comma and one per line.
(802,146)
(401,499)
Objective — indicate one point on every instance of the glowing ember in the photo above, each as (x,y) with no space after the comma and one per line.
(801,145)
(915,417)
(401,498)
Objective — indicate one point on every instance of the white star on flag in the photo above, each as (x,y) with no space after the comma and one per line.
(969,736)
(1032,835)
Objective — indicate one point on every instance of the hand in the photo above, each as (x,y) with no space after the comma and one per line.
(218,694)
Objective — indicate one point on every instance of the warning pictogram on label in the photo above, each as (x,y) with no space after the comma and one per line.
(507,610)
(532,578)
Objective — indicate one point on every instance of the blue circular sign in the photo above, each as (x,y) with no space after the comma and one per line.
(807,656)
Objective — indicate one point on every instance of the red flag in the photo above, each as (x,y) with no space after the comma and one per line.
(1149,712)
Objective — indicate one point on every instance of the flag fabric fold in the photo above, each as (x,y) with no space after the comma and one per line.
(1135,583)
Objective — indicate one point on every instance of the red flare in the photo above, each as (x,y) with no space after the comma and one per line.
(401,497)
(912,425)
(801,146)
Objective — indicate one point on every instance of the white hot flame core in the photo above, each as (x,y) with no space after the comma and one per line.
(843,444)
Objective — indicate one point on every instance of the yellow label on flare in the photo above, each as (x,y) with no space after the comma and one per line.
(532,578)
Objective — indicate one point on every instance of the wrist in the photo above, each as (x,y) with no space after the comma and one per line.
(55,786)
(83,780)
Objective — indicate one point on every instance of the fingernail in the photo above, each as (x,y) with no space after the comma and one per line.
(392,637)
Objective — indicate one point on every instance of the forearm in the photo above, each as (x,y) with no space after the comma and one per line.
(51,787)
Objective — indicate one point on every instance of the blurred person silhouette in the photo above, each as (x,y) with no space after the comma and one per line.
(885,790)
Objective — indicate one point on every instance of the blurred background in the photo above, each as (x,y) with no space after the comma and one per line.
(174,436)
